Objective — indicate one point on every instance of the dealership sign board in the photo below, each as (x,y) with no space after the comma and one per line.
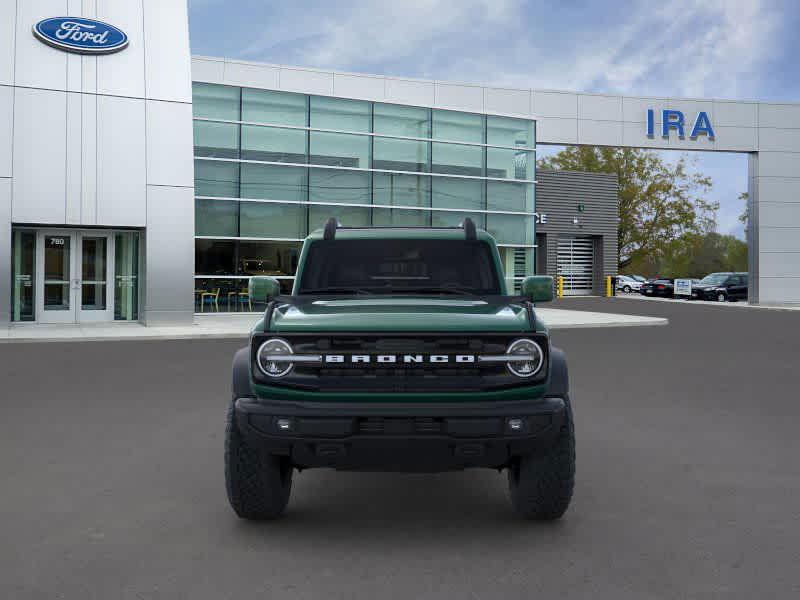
(84,36)
(675,120)
(683,287)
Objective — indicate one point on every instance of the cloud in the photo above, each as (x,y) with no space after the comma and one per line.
(686,47)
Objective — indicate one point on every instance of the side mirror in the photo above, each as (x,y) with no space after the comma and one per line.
(537,288)
(263,289)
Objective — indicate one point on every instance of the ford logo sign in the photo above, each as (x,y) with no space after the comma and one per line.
(84,36)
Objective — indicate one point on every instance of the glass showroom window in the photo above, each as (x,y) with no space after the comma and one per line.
(219,218)
(219,140)
(340,150)
(216,178)
(279,108)
(273,144)
(348,216)
(404,121)
(339,185)
(440,218)
(457,159)
(274,182)
(398,189)
(268,220)
(339,114)
(397,217)
(275,259)
(458,126)
(214,257)
(215,101)
(400,155)
(454,192)
(509,196)
(23,261)
(506,131)
(126,276)
(506,163)
(510,229)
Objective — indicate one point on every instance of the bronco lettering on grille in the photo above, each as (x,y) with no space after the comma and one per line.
(408,359)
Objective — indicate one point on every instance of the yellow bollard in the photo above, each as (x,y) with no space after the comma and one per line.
(561,286)
(608,287)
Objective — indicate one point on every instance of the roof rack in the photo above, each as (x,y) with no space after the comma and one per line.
(331,225)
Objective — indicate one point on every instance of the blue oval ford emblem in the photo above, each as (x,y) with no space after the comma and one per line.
(76,34)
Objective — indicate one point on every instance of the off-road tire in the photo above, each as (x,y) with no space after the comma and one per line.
(258,484)
(541,486)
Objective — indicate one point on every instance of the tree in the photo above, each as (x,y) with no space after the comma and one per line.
(659,202)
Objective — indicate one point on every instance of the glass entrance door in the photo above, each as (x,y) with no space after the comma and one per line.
(55,274)
(94,302)
(74,272)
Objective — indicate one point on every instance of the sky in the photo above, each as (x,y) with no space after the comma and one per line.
(732,49)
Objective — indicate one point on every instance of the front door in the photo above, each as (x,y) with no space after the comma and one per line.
(73,272)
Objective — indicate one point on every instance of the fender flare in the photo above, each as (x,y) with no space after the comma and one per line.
(240,384)
(559,374)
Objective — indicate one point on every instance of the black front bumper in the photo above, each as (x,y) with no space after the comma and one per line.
(400,436)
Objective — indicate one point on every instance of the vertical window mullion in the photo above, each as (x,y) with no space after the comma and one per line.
(308,161)
(372,162)
(429,219)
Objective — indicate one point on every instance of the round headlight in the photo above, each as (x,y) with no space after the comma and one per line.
(271,358)
(530,358)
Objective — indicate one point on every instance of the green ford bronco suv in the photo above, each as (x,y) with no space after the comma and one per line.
(400,349)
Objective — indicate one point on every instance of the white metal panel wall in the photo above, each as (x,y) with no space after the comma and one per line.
(169,144)
(121,73)
(121,162)
(5,248)
(169,255)
(167,58)
(8,25)
(74,130)
(6,128)
(39,156)
(37,65)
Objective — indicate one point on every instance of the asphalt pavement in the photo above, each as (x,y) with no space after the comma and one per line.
(688,479)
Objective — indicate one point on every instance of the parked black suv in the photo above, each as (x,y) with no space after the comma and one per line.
(722,287)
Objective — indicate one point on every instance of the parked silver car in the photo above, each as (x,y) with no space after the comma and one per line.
(628,284)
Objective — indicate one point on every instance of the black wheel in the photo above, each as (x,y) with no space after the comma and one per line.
(627,289)
(258,484)
(721,297)
(541,485)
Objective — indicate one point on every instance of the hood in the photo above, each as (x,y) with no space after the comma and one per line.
(499,314)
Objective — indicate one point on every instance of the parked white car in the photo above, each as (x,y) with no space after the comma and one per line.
(627,284)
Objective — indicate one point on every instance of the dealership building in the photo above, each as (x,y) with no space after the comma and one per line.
(139,183)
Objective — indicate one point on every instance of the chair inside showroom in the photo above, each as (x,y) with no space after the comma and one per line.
(210,299)
(244,300)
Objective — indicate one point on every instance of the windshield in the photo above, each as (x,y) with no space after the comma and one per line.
(399,266)
(714,279)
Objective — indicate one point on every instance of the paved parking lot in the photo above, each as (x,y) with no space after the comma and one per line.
(688,482)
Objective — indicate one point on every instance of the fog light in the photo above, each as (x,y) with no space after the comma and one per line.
(283,424)
(516,424)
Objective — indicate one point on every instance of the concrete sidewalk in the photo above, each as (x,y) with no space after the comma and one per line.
(737,304)
(238,326)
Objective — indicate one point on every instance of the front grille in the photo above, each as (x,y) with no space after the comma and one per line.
(400,376)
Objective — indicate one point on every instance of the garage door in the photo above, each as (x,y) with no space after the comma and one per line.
(576,264)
